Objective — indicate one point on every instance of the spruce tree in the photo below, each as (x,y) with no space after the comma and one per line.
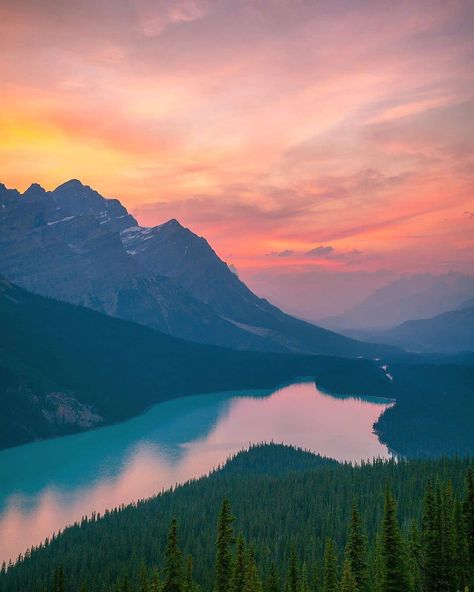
(273,580)
(59,583)
(378,563)
(348,581)
(448,581)
(316,578)
(225,540)
(155,582)
(125,585)
(293,579)
(253,582)
(468,510)
(460,546)
(173,581)
(189,584)
(394,568)
(430,541)
(304,582)
(356,550)
(238,575)
(329,567)
(415,558)
(143,586)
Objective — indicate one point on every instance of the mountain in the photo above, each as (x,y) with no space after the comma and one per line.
(449,332)
(65,368)
(74,245)
(467,304)
(408,298)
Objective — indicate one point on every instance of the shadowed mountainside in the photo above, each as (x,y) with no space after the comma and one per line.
(74,245)
(65,368)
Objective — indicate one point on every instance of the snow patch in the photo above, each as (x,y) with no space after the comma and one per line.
(262,331)
(386,372)
(58,221)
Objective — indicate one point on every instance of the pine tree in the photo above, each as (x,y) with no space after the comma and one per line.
(253,582)
(155,583)
(304,583)
(430,541)
(394,576)
(348,581)
(125,585)
(415,558)
(447,538)
(377,566)
(329,567)
(460,547)
(225,539)
(273,581)
(143,587)
(316,579)
(173,565)
(293,579)
(59,583)
(356,550)
(238,575)
(468,511)
(189,585)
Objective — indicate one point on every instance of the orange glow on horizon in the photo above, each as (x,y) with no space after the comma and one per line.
(272,132)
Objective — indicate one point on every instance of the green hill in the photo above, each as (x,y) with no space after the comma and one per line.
(282,499)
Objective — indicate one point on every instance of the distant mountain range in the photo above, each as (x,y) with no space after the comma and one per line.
(74,245)
(409,298)
(449,332)
(65,368)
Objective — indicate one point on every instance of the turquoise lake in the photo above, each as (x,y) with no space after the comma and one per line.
(47,485)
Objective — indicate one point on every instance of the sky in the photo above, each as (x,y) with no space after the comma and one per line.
(320,146)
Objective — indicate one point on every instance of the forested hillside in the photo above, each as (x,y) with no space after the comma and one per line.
(434,413)
(66,368)
(308,524)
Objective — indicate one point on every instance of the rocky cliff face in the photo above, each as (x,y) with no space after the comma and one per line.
(75,245)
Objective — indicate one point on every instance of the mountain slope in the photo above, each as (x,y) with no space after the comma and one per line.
(65,368)
(449,332)
(467,304)
(75,245)
(408,298)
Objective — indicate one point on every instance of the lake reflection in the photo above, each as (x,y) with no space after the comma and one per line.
(47,485)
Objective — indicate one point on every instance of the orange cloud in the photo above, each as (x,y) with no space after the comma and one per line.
(271,128)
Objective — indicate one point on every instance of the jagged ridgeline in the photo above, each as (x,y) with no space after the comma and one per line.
(75,245)
(307,524)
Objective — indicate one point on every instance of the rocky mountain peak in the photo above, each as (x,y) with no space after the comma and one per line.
(8,196)
(71,184)
(34,191)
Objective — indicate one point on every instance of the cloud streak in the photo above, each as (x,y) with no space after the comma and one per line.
(269,128)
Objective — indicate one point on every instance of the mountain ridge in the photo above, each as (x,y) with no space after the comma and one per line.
(447,333)
(75,245)
(410,297)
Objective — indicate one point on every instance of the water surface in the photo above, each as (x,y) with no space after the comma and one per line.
(46,485)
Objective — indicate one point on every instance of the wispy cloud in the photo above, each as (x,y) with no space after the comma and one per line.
(269,128)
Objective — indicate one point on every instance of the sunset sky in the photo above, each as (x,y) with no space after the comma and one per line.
(305,140)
